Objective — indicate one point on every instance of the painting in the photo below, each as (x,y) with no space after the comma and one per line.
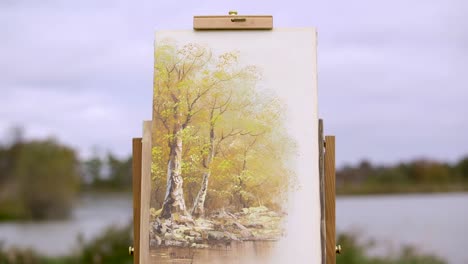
(234,148)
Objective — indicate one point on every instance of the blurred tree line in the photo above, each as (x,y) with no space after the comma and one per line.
(106,173)
(415,176)
(40,179)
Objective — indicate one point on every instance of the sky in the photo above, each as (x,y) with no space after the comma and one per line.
(393,75)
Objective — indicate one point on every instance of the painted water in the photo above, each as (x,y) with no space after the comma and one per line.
(247,252)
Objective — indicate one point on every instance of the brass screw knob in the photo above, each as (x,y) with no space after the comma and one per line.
(233,13)
(338,249)
(131,250)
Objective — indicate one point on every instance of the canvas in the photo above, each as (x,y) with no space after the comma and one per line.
(234,149)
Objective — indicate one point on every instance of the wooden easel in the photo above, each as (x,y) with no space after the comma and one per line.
(142,152)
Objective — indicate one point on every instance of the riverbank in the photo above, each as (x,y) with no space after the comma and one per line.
(417,176)
(218,229)
(401,189)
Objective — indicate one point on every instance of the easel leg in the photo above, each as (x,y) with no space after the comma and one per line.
(330,199)
(136,174)
(323,224)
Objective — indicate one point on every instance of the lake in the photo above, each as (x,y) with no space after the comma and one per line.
(92,215)
(434,223)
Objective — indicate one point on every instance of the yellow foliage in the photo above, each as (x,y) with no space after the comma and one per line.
(216,101)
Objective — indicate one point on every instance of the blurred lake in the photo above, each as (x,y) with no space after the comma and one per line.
(91,216)
(433,223)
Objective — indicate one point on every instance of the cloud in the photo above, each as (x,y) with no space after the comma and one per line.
(391,74)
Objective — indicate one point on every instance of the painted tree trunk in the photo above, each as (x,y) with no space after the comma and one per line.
(241,181)
(174,199)
(198,209)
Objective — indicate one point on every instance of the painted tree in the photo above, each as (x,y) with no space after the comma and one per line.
(185,80)
(218,138)
(242,124)
(251,169)
(219,105)
(175,103)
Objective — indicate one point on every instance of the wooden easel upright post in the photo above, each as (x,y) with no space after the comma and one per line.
(136,182)
(142,150)
(330,195)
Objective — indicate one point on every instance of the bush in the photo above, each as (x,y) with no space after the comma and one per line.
(109,248)
(355,253)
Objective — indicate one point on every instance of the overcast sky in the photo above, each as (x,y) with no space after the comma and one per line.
(393,75)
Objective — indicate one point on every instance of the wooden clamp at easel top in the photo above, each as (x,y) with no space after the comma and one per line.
(233,22)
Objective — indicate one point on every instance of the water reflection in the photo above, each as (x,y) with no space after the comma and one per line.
(247,252)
